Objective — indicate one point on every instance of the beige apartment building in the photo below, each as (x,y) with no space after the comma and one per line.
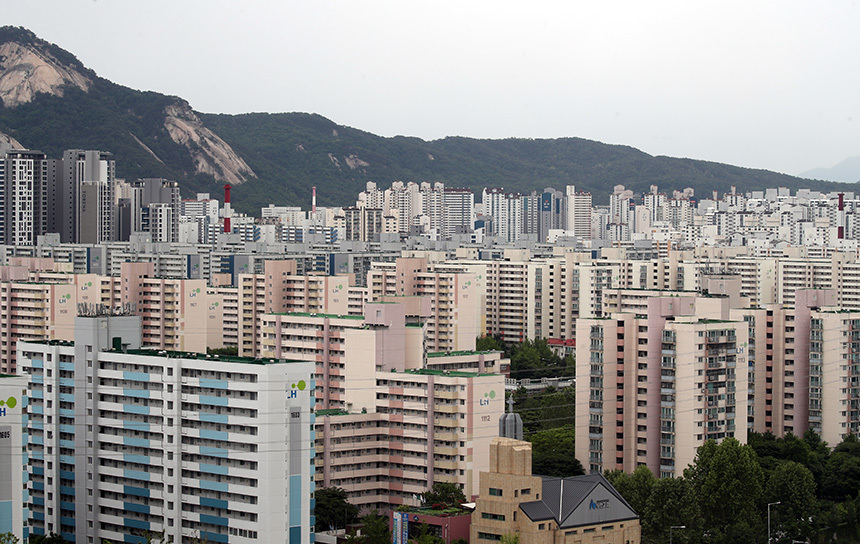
(453,321)
(651,389)
(391,418)
(424,426)
(711,367)
(43,303)
(278,290)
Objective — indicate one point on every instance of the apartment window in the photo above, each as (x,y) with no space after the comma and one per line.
(495,492)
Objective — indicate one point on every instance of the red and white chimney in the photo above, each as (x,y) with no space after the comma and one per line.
(840,217)
(228,212)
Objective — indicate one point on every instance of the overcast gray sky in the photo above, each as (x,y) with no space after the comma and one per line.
(764,84)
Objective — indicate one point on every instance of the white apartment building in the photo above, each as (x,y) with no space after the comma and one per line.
(124,440)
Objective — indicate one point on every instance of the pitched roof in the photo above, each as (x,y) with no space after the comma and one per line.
(563,501)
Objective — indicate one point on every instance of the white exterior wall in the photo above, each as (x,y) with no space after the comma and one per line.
(194,446)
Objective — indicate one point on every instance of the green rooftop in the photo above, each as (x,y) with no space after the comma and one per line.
(707,321)
(453,373)
(330,316)
(332,412)
(205,357)
(458,353)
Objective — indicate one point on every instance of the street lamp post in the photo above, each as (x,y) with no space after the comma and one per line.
(768,518)
(675,527)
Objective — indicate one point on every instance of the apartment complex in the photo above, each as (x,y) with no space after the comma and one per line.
(40,304)
(710,367)
(423,426)
(679,366)
(453,316)
(392,418)
(125,440)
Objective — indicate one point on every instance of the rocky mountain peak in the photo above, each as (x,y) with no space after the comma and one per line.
(211,154)
(29,66)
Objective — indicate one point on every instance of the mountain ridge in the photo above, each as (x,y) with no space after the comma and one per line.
(277,157)
(847,171)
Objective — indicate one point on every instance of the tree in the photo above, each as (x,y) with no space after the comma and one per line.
(511,539)
(792,484)
(636,488)
(421,534)
(535,359)
(728,484)
(489,343)
(547,409)
(443,494)
(333,510)
(671,503)
(553,453)
(841,477)
(53,538)
(8,538)
(375,529)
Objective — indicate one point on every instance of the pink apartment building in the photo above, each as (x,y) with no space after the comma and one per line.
(391,418)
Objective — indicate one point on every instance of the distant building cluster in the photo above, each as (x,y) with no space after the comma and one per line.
(79,198)
(351,335)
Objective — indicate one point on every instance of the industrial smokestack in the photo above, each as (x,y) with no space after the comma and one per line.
(228,212)
(314,201)
(840,217)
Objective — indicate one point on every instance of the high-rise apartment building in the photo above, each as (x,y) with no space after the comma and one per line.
(27,180)
(453,300)
(124,441)
(578,213)
(651,390)
(458,209)
(86,197)
(506,211)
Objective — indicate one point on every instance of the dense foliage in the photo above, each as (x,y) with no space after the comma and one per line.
(724,495)
(553,453)
(545,409)
(374,530)
(530,358)
(443,495)
(332,509)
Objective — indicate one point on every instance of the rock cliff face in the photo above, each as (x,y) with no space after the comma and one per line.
(9,142)
(211,154)
(25,71)
(29,66)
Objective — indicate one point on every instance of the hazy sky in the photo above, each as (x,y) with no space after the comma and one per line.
(765,84)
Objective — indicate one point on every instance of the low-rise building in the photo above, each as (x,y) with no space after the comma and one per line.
(547,510)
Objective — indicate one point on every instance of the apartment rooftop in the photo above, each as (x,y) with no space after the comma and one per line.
(206,357)
(151,352)
(331,412)
(452,373)
(458,353)
(329,316)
